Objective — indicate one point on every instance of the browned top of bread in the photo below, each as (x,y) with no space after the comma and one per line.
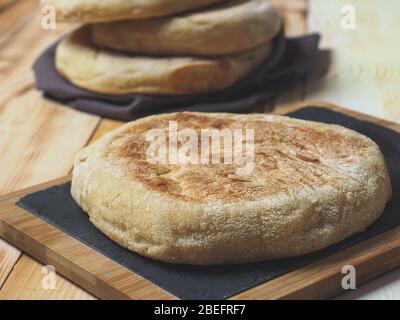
(289,155)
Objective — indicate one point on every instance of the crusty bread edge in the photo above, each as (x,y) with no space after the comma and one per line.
(77,61)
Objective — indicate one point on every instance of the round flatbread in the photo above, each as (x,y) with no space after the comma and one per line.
(312,185)
(110,72)
(91,11)
(219,30)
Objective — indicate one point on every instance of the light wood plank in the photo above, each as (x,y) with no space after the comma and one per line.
(38,138)
(8,258)
(365,69)
(106,125)
(30,275)
(38,151)
(23,39)
(13,18)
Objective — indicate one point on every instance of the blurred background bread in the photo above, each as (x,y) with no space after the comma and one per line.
(89,11)
(196,52)
(104,71)
(230,27)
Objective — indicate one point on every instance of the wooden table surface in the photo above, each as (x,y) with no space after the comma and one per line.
(39,138)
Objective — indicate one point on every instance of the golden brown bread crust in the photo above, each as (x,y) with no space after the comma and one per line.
(313,185)
(91,11)
(109,72)
(228,28)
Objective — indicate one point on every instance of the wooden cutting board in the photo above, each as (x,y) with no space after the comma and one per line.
(107,279)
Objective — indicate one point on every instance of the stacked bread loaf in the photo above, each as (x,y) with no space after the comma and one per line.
(164,46)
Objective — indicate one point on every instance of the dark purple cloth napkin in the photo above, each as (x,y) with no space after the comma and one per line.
(290,61)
